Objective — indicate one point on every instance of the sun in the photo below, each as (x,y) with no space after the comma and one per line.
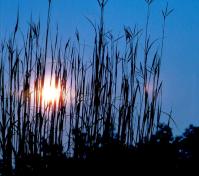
(50,92)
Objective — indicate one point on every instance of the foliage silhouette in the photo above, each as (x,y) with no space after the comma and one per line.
(111,116)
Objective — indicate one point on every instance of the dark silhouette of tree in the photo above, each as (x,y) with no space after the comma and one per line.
(188,148)
(159,151)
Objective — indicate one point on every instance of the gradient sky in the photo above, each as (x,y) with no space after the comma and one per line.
(180,69)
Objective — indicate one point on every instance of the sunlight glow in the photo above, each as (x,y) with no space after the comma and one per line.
(50,92)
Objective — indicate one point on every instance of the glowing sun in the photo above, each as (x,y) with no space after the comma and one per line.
(50,92)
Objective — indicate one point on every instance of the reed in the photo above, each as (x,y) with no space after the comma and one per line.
(117,97)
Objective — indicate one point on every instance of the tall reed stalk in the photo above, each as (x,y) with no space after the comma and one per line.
(116,97)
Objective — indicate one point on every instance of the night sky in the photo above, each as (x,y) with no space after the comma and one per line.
(180,68)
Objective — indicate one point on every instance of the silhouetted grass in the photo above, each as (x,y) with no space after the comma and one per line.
(108,109)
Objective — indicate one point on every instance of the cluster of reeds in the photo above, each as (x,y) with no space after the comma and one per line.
(115,95)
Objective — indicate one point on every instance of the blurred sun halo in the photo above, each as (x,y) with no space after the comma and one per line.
(50,92)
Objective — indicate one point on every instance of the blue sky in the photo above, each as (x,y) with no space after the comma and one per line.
(180,69)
